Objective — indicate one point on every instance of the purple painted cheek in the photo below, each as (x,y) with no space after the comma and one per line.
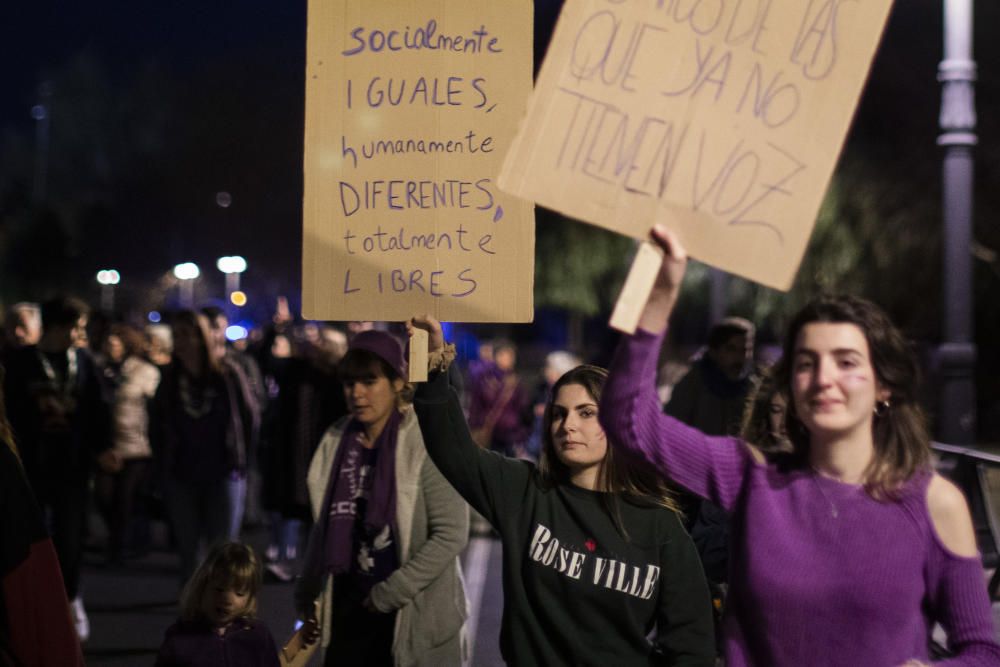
(857,379)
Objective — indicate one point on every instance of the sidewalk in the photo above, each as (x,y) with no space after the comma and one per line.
(131,606)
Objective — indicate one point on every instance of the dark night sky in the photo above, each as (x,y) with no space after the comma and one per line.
(232,82)
(233,75)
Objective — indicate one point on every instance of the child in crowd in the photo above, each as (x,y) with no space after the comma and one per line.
(217,625)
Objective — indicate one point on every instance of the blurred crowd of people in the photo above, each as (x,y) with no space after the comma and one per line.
(170,421)
(173,422)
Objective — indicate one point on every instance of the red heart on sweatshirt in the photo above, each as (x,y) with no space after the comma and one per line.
(590,544)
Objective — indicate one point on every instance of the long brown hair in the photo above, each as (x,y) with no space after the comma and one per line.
(755,425)
(902,443)
(360,364)
(199,324)
(619,474)
(229,564)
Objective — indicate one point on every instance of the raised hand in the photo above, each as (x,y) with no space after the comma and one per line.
(668,281)
(431,326)
(674,259)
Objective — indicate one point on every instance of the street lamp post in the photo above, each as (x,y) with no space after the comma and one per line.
(232,266)
(186,274)
(108,278)
(957,353)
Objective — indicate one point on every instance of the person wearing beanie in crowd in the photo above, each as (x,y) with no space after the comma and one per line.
(382,558)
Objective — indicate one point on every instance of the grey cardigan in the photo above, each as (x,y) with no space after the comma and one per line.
(432,520)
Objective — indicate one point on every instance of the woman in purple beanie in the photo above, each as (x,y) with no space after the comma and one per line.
(382,558)
(849,549)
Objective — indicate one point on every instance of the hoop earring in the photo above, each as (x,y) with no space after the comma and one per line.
(881,407)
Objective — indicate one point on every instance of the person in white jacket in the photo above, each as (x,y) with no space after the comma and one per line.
(132,382)
(388,527)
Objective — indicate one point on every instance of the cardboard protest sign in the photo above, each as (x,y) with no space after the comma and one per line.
(723,120)
(410,107)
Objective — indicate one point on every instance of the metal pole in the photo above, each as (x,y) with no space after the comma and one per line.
(232,284)
(108,298)
(957,353)
(187,293)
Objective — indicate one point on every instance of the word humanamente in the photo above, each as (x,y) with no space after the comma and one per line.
(469,143)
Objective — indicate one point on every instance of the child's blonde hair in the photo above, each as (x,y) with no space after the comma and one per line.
(228,564)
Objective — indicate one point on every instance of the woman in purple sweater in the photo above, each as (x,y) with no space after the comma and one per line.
(848,550)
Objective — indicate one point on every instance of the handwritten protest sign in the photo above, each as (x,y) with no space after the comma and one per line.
(722,119)
(410,107)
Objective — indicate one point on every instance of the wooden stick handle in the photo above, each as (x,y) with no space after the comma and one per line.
(638,285)
(418,356)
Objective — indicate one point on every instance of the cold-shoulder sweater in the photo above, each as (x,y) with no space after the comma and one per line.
(820,572)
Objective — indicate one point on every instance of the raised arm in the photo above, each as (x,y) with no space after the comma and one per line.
(492,484)
(709,467)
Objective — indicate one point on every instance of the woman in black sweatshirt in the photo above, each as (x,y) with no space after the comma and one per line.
(597,569)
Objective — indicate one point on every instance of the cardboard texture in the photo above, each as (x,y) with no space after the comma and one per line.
(410,107)
(722,120)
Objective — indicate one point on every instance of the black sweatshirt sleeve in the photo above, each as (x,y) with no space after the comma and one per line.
(492,484)
(684,634)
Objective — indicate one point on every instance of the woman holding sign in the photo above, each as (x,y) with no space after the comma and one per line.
(847,550)
(388,529)
(595,556)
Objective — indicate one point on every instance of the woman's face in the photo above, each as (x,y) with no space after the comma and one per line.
(114,348)
(577,436)
(187,339)
(834,386)
(372,399)
(223,604)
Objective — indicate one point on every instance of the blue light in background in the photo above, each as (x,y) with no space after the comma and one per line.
(154,316)
(236,332)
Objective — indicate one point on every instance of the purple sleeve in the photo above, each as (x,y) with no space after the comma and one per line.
(960,603)
(710,467)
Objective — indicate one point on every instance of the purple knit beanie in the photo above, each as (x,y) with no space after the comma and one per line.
(382,345)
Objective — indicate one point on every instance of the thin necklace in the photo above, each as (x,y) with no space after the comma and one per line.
(833,508)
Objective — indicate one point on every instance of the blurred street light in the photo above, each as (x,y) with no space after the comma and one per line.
(108,278)
(232,266)
(238,298)
(186,273)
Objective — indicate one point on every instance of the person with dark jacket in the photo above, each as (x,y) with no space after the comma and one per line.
(61,422)
(201,417)
(218,623)
(35,623)
(595,561)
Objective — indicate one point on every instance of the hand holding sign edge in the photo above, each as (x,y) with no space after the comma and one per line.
(431,326)
(668,281)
